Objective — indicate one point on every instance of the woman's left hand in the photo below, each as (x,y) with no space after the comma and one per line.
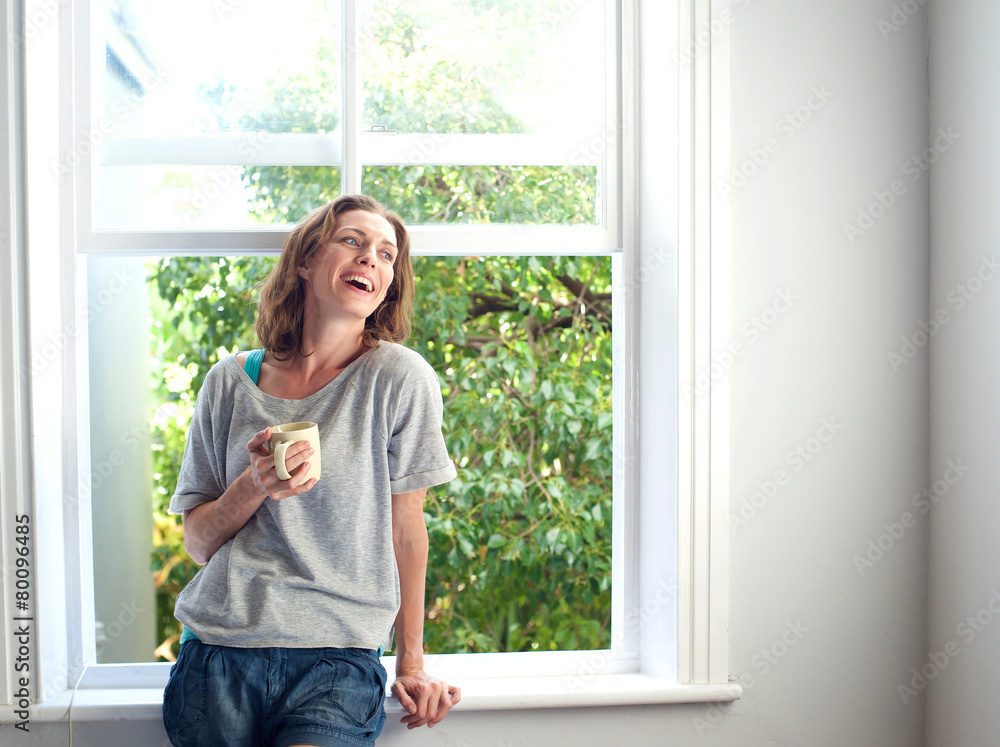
(426,699)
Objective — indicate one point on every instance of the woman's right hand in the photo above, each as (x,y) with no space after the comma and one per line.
(264,475)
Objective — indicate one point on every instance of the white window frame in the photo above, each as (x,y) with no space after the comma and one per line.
(671,467)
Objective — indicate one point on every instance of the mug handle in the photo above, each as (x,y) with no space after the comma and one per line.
(279,460)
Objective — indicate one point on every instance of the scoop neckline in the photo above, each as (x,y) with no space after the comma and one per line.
(244,379)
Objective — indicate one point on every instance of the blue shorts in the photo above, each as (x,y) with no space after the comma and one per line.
(219,696)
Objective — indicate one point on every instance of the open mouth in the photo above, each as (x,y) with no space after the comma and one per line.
(359,282)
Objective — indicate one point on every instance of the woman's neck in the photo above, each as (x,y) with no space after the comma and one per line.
(326,348)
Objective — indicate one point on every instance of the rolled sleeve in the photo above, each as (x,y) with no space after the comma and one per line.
(423,479)
(201,477)
(181,503)
(418,456)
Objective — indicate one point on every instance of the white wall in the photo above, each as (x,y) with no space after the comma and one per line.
(965,370)
(825,359)
(849,638)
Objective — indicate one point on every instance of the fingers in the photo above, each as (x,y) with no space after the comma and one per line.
(428,707)
(298,466)
(296,462)
(434,700)
(304,487)
(448,699)
(260,438)
(404,698)
(296,455)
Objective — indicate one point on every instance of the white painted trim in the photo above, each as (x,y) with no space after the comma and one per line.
(576,668)
(516,693)
(432,239)
(625,597)
(701,284)
(618,73)
(718,512)
(49,327)
(375,149)
(703,292)
(350,82)
(223,148)
(74,499)
(653,286)
(685,347)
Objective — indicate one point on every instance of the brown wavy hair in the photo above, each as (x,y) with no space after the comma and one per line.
(281,306)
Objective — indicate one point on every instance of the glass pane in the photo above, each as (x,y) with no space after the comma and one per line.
(201,197)
(122,420)
(517,68)
(486,194)
(179,67)
(484,66)
(520,555)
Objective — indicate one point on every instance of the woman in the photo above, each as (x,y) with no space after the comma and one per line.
(304,580)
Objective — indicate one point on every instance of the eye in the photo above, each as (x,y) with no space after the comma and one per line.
(388,255)
(351,239)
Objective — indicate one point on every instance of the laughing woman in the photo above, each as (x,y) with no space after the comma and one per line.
(305,580)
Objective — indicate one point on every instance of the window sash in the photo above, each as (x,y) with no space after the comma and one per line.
(353,149)
(700,659)
(425,239)
(350,148)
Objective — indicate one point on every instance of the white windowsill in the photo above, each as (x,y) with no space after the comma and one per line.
(508,693)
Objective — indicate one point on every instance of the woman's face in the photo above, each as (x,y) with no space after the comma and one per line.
(350,274)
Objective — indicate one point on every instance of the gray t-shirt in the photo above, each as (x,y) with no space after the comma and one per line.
(318,569)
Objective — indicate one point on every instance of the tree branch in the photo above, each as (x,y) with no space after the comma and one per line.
(582,290)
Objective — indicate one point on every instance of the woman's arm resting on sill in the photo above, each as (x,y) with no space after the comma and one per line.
(426,699)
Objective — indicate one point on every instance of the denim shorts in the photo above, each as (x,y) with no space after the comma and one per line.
(219,696)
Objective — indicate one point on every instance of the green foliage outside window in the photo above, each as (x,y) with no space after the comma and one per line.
(520,543)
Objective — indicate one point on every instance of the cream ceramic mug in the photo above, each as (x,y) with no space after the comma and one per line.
(283,436)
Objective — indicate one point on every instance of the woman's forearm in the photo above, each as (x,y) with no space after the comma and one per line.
(410,545)
(211,525)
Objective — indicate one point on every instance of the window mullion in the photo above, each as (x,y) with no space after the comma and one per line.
(351,88)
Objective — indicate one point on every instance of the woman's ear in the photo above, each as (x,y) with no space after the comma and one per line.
(303,269)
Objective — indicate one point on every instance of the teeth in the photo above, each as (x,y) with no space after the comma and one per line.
(363,280)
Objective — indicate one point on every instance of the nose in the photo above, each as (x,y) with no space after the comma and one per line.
(367,254)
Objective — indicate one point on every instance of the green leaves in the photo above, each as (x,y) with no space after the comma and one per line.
(527,410)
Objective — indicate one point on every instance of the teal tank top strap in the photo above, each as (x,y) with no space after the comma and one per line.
(252,364)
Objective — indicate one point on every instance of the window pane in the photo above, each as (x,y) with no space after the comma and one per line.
(483,66)
(487,194)
(122,419)
(179,67)
(200,197)
(533,70)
